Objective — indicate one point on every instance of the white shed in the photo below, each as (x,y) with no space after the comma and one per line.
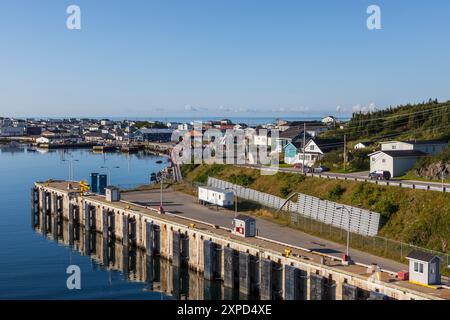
(217,196)
(112,194)
(244,226)
(424,268)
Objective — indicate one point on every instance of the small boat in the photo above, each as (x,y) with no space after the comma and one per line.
(159,162)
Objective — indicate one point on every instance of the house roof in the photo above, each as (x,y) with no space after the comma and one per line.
(421,256)
(426,142)
(418,141)
(291,133)
(401,153)
(327,144)
(243,217)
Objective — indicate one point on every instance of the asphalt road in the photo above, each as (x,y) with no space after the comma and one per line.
(362,175)
(186,206)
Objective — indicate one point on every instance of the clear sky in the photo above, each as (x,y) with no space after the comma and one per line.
(244,58)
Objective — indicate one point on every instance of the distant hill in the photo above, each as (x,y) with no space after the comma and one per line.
(428,120)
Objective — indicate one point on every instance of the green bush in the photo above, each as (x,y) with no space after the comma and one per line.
(285,191)
(386,207)
(336,192)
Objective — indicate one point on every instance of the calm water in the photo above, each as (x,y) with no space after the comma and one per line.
(33,266)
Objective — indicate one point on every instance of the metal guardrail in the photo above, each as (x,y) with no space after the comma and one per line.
(392,183)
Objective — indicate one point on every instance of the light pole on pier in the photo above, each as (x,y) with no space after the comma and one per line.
(109,172)
(349,214)
(71,167)
(235,201)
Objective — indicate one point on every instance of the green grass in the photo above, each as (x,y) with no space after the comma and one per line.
(412,216)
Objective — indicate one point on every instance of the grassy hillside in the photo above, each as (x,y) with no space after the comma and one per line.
(414,216)
(429,120)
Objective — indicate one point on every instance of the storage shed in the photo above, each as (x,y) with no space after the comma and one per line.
(244,226)
(424,268)
(112,194)
(217,196)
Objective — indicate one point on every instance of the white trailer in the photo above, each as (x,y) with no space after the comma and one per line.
(216,196)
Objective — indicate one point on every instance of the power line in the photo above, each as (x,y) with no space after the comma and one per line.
(400,115)
(403,122)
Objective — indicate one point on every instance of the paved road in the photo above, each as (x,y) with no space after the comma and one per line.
(187,206)
(362,175)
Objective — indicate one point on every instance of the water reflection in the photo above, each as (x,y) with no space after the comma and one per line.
(158,274)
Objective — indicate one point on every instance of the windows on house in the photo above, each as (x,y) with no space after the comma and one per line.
(418,267)
(383,160)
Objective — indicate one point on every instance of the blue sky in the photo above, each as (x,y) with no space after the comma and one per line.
(244,58)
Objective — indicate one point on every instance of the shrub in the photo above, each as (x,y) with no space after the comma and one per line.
(285,191)
(336,192)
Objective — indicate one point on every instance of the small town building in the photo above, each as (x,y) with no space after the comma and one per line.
(329,120)
(315,149)
(398,157)
(424,268)
(292,152)
(11,131)
(112,194)
(244,226)
(216,196)
(154,134)
(426,146)
(363,145)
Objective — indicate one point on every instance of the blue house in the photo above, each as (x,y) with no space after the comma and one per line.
(291,151)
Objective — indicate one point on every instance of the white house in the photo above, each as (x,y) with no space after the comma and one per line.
(398,157)
(43,140)
(424,268)
(329,120)
(315,149)
(362,145)
(429,147)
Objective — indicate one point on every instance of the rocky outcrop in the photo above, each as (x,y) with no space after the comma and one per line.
(433,171)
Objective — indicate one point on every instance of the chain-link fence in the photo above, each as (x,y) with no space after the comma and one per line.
(395,250)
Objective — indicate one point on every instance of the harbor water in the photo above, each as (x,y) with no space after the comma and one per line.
(33,265)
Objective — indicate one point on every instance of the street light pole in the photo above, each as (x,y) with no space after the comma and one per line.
(235,204)
(348,229)
(109,170)
(235,201)
(71,166)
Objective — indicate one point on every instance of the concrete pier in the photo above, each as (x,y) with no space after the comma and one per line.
(121,233)
(244,273)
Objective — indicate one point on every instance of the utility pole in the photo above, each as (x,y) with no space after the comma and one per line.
(304,146)
(345,151)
